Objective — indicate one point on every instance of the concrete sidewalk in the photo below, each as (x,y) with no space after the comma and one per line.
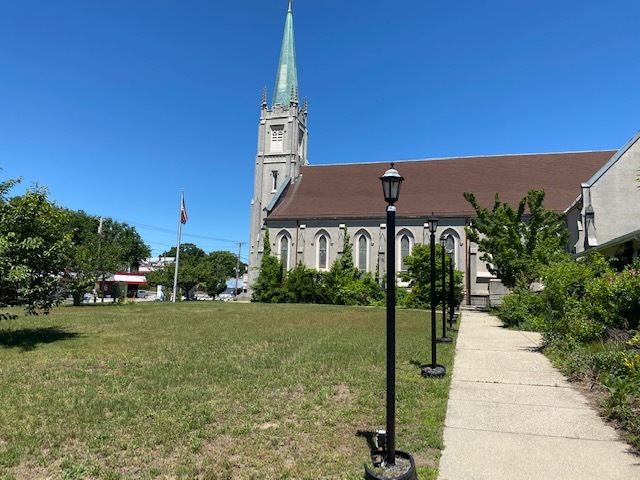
(511,415)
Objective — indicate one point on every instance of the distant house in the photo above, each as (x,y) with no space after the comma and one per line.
(155,263)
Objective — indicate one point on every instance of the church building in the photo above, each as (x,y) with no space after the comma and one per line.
(308,208)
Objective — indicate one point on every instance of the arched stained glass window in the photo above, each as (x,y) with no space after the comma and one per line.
(284,253)
(322,252)
(362,253)
(405,250)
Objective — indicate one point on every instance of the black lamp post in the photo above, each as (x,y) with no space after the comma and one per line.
(444,338)
(450,246)
(391,182)
(433,370)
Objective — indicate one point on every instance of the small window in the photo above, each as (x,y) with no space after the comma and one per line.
(322,252)
(405,250)
(362,253)
(274,180)
(277,138)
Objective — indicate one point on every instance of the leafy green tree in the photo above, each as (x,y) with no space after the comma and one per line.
(34,250)
(219,266)
(191,269)
(347,267)
(268,286)
(418,275)
(5,186)
(517,243)
(100,248)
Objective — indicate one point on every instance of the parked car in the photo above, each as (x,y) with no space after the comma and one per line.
(142,294)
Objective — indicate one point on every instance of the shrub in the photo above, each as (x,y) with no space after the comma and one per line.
(564,282)
(524,309)
(614,299)
(304,285)
(590,325)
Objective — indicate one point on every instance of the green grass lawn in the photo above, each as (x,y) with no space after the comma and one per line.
(212,390)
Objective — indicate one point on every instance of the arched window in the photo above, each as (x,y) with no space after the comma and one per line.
(405,250)
(277,138)
(453,234)
(284,252)
(362,253)
(322,252)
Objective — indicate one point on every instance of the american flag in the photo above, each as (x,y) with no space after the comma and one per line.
(183,212)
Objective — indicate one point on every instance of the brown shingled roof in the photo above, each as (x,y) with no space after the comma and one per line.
(354,190)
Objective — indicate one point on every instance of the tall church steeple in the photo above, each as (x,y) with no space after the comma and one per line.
(282,146)
(286,86)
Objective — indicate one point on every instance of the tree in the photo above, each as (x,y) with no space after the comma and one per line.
(219,267)
(347,266)
(121,247)
(34,250)
(191,268)
(268,286)
(517,243)
(100,247)
(418,275)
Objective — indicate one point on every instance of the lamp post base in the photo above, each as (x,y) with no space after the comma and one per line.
(403,469)
(444,340)
(433,371)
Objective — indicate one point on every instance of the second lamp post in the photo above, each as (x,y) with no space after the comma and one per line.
(433,369)
(450,246)
(443,277)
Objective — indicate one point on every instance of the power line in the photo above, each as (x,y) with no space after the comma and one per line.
(165,230)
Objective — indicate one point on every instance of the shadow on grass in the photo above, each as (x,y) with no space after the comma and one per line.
(376,452)
(27,339)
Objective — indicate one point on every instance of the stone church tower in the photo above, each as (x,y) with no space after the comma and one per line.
(282,145)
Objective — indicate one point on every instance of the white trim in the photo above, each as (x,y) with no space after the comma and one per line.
(612,161)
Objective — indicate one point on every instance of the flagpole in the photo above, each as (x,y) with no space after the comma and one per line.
(180,222)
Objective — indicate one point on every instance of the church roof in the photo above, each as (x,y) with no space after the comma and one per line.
(286,88)
(354,190)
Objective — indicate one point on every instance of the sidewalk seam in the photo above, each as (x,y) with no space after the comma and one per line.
(520,434)
(497,402)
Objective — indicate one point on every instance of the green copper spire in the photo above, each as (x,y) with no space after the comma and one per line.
(286,90)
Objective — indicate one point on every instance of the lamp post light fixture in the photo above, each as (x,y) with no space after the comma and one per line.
(445,300)
(391,182)
(450,246)
(433,369)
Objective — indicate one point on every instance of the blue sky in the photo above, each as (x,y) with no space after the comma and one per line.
(117,105)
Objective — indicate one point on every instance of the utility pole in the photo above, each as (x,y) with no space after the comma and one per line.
(235,292)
